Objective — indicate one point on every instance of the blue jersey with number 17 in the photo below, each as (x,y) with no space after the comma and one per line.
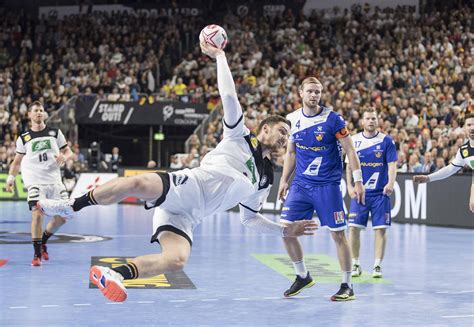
(318,152)
(374,154)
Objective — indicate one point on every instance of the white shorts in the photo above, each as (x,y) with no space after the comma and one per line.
(38,192)
(163,220)
(179,205)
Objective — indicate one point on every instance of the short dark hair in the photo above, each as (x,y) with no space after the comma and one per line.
(35,103)
(273,120)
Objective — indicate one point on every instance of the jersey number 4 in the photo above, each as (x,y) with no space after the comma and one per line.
(43,157)
(313,168)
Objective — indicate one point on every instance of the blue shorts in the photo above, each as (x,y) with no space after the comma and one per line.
(326,200)
(379,208)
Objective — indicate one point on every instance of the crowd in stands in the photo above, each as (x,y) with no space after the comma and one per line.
(415,70)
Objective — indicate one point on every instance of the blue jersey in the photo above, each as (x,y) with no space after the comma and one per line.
(374,154)
(318,152)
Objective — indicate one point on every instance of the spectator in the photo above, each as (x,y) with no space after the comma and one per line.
(116,159)
(175,162)
(414,165)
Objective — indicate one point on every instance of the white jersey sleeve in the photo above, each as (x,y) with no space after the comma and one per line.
(250,217)
(233,116)
(20,147)
(61,140)
(458,160)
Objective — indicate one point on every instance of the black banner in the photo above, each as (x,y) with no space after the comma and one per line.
(90,111)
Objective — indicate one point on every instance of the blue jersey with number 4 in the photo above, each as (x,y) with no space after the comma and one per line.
(374,154)
(318,152)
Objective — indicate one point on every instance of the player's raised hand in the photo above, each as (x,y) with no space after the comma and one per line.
(421,179)
(282,191)
(360,192)
(60,159)
(210,50)
(299,228)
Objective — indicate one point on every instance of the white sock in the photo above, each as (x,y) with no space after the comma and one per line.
(300,269)
(356,261)
(378,262)
(347,277)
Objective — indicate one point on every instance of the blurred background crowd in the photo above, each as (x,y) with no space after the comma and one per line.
(416,70)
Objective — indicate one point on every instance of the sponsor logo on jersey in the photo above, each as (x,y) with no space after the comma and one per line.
(465,153)
(52,133)
(319,137)
(41,145)
(339,217)
(378,154)
(371,164)
(251,166)
(27,138)
(313,148)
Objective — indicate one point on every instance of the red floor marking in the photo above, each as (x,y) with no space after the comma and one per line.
(3,262)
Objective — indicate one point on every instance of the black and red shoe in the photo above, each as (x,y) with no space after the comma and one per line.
(44,252)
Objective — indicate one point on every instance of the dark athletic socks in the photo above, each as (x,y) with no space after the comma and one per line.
(128,271)
(84,201)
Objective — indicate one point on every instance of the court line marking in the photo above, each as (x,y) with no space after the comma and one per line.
(116,303)
(145,302)
(22,307)
(414,293)
(388,294)
(272,298)
(209,300)
(241,299)
(50,305)
(81,304)
(175,301)
(459,316)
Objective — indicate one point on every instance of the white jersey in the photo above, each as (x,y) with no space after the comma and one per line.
(464,156)
(238,157)
(39,149)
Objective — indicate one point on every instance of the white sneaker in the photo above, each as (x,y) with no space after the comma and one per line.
(377,272)
(356,270)
(61,208)
(109,283)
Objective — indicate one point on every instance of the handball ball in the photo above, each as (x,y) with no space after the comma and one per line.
(214,35)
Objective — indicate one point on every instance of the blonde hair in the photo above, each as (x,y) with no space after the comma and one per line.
(310,80)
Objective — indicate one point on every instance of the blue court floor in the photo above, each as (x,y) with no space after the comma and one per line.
(238,275)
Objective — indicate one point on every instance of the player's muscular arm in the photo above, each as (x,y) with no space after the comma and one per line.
(225,83)
(64,155)
(288,168)
(354,163)
(14,169)
(443,173)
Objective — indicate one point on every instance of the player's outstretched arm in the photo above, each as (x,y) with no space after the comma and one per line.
(443,173)
(226,85)
(259,223)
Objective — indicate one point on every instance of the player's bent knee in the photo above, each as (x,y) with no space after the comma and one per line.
(177,263)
